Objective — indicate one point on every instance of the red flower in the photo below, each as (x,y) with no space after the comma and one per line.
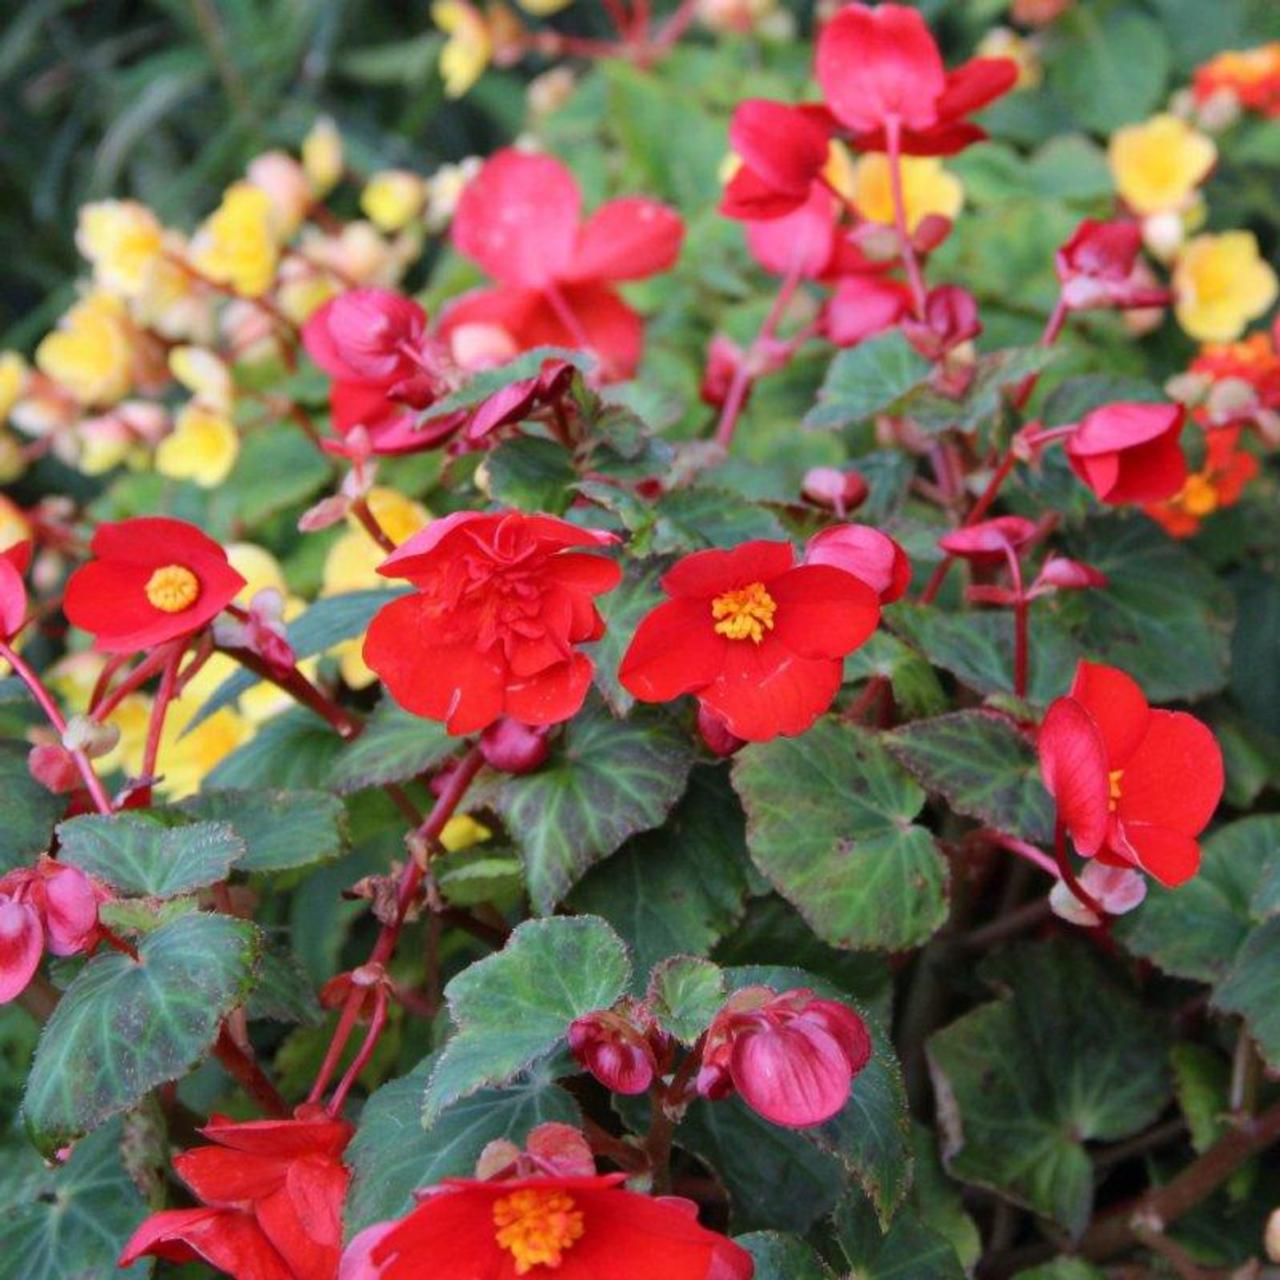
(154,579)
(792,1057)
(783,152)
(521,220)
(880,68)
(950,318)
(1219,483)
(868,554)
(863,306)
(758,639)
(501,601)
(273,1193)
(1134,786)
(1129,452)
(573,1228)
(1100,267)
(50,905)
(808,242)
(14,561)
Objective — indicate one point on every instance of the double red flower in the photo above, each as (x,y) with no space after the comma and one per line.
(758,639)
(272,1194)
(1134,787)
(792,1057)
(153,579)
(502,600)
(572,1228)
(520,219)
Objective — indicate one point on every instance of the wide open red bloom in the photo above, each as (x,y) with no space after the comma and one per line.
(521,220)
(1129,452)
(1134,786)
(502,599)
(154,579)
(572,1228)
(881,65)
(273,1193)
(759,640)
(792,1057)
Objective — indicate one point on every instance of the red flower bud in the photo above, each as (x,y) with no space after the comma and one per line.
(989,541)
(1130,452)
(720,739)
(512,747)
(793,1057)
(842,491)
(1100,267)
(51,765)
(1069,575)
(868,554)
(608,1046)
(13,591)
(950,318)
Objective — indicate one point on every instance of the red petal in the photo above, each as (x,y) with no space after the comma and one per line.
(518,218)
(614,332)
(230,1241)
(867,554)
(709,573)
(1113,428)
(802,242)
(593,574)
(675,650)
(1116,705)
(1073,763)
(863,306)
(748,197)
(785,146)
(874,64)
(552,695)
(13,598)
(1151,472)
(154,540)
(823,612)
(975,83)
(1174,776)
(627,239)
(21,946)
(1171,856)
(764,690)
(227,1179)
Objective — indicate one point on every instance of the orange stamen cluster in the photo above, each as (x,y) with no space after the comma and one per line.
(172,588)
(1114,778)
(536,1227)
(745,613)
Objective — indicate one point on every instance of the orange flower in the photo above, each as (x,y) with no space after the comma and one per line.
(1219,483)
(1250,76)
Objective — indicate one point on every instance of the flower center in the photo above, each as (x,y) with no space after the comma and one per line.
(1199,497)
(1114,778)
(536,1227)
(744,614)
(173,588)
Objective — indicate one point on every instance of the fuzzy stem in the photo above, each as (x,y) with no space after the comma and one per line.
(160,710)
(249,1075)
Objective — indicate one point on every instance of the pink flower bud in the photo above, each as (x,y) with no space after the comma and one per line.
(512,747)
(1069,575)
(842,491)
(21,946)
(560,1150)
(950,318)
(989,541)
(13,591)
(608,1046)
(792,1057)
(868,554)
(720,740)
(724,356)
(51,765)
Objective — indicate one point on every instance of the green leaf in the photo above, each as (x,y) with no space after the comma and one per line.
(1249,989)
(1196,930)
(30,810)
(291,750)
(394,746)
(1202,1082)
(907,1250)
(1062,1058)
(532,474)
(324,624)
(515,1007)
(867,379)
(392,1154)
(142,853)
(622,609)
(916,688)
(678,889)
(280,829)
(1063,1269)
(605,780)
(1111,64)
(277,468)
(781,1257)
(982,766)
(685,993)
(829,824)
(72,1220)
(283,992)
(124,1026)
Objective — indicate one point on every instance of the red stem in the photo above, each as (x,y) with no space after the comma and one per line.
(160,710)
(361,1060)
(249,1075)
(300,689)
(143,672)
(363,512)
(92,782)
(893,148)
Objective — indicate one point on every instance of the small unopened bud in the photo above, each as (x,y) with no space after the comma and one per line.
(720,739)
(616,1053)
(51,765)
(842,491)
(512,747)
(85,734)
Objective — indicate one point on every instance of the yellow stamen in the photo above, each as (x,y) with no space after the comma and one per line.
(744,614)
(173,588)
(1199,496)
(1114,778)
(537,1226)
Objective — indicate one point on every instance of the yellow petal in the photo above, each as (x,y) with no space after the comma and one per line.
(461,832)
(927,189)
(393,198)
(322,156)
(467,51)
(1157,165)
(203,447)
(1221,283)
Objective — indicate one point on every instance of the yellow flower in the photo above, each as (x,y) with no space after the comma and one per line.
(841,170)
(90,353)
(133,718)
(1004,42)
(13,458)
(1158,165)
(393,198)
(927,188)
(322,157)
(468,49)
(186,759)
(237,244)
(202,447)
(123,240)
(461,832)
(352,562)
(258,567)
(1221,283)
(543,8)
(13,380)
(205,375)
